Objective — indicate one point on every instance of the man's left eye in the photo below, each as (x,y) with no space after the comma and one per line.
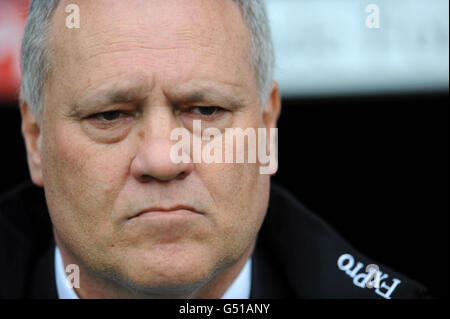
(205,110)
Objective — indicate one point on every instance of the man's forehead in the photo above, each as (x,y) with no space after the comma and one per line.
(175,39)
(154,23)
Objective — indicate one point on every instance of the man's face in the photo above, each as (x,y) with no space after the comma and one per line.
(151,65)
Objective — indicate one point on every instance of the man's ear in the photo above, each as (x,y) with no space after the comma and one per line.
(271,113)
(32,134)
(272,109)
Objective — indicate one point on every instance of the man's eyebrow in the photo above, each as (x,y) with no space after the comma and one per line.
(113,95)
(209,96)
(132,93)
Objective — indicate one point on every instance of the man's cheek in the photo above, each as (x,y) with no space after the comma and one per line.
(73,170)
(231,186)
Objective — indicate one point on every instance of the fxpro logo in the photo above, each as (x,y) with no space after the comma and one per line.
(229,145)
(371,278)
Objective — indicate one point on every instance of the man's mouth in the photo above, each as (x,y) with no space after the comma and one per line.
(178,210)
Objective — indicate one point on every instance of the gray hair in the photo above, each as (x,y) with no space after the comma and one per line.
(35,49)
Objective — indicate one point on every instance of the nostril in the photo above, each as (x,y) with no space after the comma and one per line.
(182,175)
(145,178)
(148,178)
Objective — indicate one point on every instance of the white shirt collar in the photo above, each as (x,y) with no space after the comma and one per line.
(65,291)
(241,286)
(239,289)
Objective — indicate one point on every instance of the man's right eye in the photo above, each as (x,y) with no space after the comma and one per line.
(109,116)
(109,126)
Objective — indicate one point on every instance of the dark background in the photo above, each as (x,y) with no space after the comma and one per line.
(374,167)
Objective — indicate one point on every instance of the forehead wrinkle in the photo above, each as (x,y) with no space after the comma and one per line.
(122,35)
(143,47)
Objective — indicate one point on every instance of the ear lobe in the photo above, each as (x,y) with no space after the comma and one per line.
(32,135)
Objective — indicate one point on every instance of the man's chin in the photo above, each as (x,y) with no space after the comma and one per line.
(166,285)
(164,274)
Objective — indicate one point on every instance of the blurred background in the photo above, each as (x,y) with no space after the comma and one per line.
(364,129)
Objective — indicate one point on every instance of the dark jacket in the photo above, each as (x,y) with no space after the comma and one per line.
(297,254)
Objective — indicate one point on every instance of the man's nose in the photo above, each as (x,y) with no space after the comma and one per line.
(153,161)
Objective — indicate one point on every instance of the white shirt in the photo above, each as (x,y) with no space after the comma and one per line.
(239,289)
